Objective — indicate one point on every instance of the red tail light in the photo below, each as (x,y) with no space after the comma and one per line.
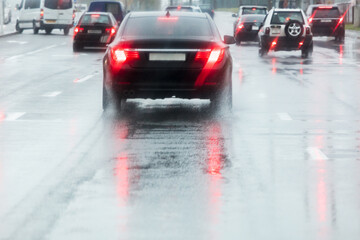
(73,16)
(111,31)
(310,20)
(325,7)
(41,13)
(77,30)
(211,56)
(168,19)
(121,55)
(341,20)
(273,44)
(241,26)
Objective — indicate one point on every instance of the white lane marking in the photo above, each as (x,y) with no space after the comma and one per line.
(316,153)
(84,78)
(51,94)
(19,42)
(32,52)
(284,116)
(13,116)
(41,49)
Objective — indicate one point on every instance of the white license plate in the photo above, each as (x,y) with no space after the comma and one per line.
(167,57)
(275,30)
(325,20)
(94,31)
(255,28)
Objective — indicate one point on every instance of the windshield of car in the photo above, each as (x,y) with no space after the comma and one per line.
(92,19)
(206,7)
(58,4)
(285,17)
(253,10)
(167,27)
(326,13)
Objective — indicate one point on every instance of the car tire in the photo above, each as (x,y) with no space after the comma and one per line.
(223,99)
(237,41)
(17,28)
(294,29)
(305,53)
(262,50)
(66,31)
(48,30)
(105,98)
(35,29)
(77,47)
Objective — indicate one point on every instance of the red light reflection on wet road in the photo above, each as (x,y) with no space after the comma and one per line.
(274,65)
(215,164)
(122,176)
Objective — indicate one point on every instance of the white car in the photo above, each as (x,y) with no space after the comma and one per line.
(45,15)
(285,30)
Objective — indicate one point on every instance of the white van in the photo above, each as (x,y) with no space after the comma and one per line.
(45,15)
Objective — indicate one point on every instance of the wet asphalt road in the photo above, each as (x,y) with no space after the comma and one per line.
(284,165)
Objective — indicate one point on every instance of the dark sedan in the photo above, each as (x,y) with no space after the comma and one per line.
(95,29)
(166,54)
(248,27)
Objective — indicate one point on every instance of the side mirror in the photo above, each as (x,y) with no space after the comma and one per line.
(229,39)
(235,15)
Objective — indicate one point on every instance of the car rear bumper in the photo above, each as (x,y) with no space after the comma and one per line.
(92,40)
(284,43)
(328,31)
(161,83)
(43,24)
(247,35)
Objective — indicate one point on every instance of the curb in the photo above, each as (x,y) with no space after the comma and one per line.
(8,34)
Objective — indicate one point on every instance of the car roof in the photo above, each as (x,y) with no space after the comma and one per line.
(100,13)
(252,6)
(323,5)
(287,9)
(163,14)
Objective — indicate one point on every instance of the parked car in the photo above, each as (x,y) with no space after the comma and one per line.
(115,7)
(45,15)
(326,20)
(183,8)
(208,8)
(6,12)
(95,29)
(248,28)
(165,54)
(285,30)
(248,10)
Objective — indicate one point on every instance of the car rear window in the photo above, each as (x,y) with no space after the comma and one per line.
(167,27)
(252,18)
(326,13)
(253,10)
(182,9)
(58,4)
(93,19)
(284,17)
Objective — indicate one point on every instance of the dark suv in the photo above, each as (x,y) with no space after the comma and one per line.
(326,20)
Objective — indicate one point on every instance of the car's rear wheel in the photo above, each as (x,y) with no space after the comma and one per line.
(48,30)
(77,47)
(237,40)
(223,99)
(35,29)
(66,31)
(105,98)
(17,28)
